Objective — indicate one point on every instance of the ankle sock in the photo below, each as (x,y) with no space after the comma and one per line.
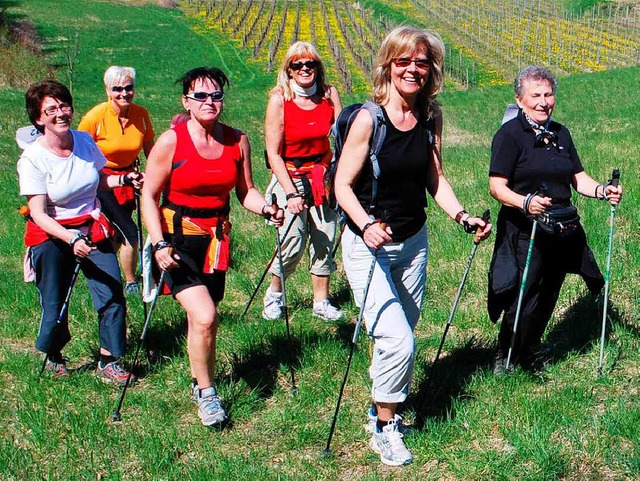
(380,425)
(104,360)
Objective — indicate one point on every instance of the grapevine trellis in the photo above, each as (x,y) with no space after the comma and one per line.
(487,42)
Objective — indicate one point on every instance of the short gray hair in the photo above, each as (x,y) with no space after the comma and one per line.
(115,74)
(533,72)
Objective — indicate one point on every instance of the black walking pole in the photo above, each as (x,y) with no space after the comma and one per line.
(615,180)
(285,307)
(354,341)
(476,242)
(63,310)
(139,222)
(266,270)
(116,414)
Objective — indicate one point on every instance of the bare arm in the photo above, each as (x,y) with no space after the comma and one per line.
(274,138)
(355,154)
(586,185)
(335,99)
(157,175)
(250,198)
(38,213)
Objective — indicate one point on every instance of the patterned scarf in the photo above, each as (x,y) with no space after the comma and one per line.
(543,134)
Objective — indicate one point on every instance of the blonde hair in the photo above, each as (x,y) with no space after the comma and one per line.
(296,51)
(115,74)
(406,39)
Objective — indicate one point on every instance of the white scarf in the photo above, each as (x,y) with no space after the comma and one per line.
(301,91)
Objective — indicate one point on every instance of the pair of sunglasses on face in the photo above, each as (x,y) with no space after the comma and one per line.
(216,96)
(403,62)
(310,64)
(120,88)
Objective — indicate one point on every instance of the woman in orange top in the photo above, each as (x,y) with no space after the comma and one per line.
(121,129)
(300,113)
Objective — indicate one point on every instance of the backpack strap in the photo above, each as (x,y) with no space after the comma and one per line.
(377,140)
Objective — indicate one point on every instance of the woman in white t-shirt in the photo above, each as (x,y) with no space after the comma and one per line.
(60,174)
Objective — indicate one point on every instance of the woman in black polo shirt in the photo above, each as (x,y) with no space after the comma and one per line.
(534,164)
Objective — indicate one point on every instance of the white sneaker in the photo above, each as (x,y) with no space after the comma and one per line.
(272,305)
(372,421)
(210,408)
(324,310)
(390,446)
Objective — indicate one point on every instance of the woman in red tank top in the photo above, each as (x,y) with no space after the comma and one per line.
(300,113)
(196,164)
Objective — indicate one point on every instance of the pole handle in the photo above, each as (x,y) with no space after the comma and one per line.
(615,177)
(486,215)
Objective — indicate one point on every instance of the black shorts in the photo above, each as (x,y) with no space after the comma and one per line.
(192,252)
(120,217)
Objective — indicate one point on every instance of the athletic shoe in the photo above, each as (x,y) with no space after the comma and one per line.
(390,446)
(372,422)
(272,305)
(114,373)
(324,310)
(210,408)
(131,288)
(56,369)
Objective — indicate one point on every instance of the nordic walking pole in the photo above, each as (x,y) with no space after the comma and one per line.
(615,179)
(136,197)
(523,282)
(63,310)
(266,271)
(354,341)
(285,307)
(116,414)
(476,242)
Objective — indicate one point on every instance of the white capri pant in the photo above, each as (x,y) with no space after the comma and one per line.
(392,308)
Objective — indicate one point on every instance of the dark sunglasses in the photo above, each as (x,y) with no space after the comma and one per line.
(310,64)
(216,96)
(402,62)
(120,88)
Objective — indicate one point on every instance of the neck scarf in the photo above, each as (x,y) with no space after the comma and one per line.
(543,134)
(301,91)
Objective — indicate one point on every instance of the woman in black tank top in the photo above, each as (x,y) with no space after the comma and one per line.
(391,236)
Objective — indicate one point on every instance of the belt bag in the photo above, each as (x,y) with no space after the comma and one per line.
(559,221)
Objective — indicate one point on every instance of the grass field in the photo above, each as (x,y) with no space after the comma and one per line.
(565,424)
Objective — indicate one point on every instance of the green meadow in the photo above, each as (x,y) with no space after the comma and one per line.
(566,423)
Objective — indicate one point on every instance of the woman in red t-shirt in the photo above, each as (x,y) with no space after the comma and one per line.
(195,165)
(300,113)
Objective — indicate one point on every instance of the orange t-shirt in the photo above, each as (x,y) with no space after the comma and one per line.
(121,146)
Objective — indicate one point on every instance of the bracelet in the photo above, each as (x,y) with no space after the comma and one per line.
(603,196)
(527,203)
(459,215)
(266,215)
(294,195)
(160,245)
(369,224)
(128,181)
(76,238)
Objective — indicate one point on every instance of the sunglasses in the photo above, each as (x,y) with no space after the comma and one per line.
(402,62)
(63,108)
(120,88)
(216,96)
(310,64)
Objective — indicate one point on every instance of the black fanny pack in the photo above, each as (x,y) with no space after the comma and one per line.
(562,220)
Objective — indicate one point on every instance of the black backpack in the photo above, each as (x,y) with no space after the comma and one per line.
(340,130)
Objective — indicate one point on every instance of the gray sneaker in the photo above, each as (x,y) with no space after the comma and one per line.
(272,305)
(390,446)
(372,421)
(324,310)
(210,408)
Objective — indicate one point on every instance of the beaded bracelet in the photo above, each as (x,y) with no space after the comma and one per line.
(366,226)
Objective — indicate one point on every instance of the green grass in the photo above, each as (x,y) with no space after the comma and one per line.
(564,425)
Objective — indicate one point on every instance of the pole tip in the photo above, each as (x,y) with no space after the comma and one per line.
(326,453)
(115,417)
